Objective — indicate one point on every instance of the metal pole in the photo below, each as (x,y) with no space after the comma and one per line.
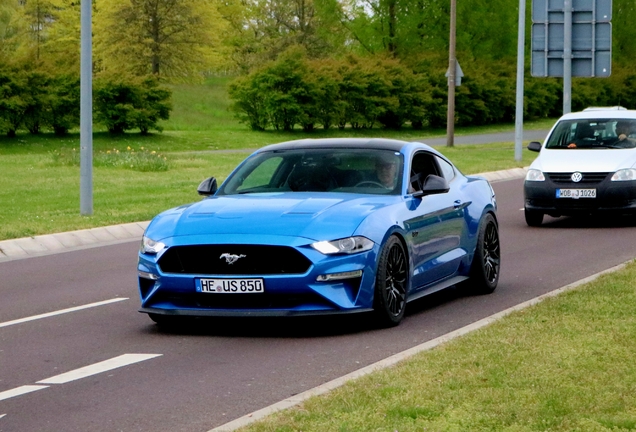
(521,38)
(452,66)
(567,56)
(86,112)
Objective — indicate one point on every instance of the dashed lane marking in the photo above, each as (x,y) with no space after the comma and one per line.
(62,311)
(18,391)
(86,371)
(106,365)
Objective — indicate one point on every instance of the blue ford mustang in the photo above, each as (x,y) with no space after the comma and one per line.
(328,226)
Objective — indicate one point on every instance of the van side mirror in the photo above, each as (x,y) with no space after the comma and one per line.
(534,146)
(207,187)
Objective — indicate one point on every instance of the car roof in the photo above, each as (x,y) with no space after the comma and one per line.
(601,113)
(361,143)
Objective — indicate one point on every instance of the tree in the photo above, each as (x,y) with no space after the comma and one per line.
(261,30)
(173,39)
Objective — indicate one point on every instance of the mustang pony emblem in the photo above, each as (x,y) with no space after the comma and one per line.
(230,258)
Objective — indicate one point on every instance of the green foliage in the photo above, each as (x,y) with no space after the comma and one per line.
(13,105)
(62,107)
(38,101)
(123,105)
(35,94)
(174,39)
(355,91)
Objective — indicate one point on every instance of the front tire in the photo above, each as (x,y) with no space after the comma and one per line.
(485,268)
(533,218)
(391,282)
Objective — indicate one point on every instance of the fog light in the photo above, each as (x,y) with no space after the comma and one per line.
(147,275)
(339,276)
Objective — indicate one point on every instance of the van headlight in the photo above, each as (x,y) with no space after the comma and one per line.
(534,175)
(627,174)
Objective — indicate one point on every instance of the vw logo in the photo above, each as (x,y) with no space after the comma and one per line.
(231,258)
(577,177)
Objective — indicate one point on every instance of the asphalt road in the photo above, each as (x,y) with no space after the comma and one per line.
(108,368)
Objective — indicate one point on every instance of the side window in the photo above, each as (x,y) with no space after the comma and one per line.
(423,165)
(447,169)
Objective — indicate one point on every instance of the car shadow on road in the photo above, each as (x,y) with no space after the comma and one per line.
(297,327)
(590,221)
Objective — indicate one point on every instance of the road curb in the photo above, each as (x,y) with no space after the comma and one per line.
(27,247)
(396,358)
(47,244)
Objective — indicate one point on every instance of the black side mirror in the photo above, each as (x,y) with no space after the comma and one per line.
(207,187)
(534,146)
(433,185)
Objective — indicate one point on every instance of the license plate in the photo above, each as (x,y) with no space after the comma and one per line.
(230,286)
(576,193)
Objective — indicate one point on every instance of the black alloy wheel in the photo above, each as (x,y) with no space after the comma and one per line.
(486,265)
(391,283)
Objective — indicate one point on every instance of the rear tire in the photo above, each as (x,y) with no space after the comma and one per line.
(485,268)
(391,282)
(533,218)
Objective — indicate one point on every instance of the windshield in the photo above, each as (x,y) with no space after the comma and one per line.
(366,171)
(593,134)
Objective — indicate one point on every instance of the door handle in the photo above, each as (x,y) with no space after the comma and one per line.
(457,204)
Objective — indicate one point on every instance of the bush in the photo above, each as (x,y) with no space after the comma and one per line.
(62,107)
(124,105)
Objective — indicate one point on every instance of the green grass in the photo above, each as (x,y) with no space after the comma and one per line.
(566,364)
(39,174)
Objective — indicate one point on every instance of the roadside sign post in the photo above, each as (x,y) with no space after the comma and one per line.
(521,39)
(86,111)
(571,38)
(452,65)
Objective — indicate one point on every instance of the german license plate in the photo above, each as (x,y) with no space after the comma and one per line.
(230,286)
(576,193)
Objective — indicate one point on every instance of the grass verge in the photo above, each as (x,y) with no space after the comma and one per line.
(565,364)
(39,191)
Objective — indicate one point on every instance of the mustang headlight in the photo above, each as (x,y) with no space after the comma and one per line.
(150,246)
(624,175)
(349,245)
(534,175)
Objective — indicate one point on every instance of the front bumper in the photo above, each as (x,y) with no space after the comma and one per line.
(173,293)
(615,197)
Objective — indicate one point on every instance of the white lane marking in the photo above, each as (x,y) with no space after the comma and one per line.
(19,391)
(106,365)
(62,311)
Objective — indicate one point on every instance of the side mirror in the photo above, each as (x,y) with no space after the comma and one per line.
(534,146)
(433,185)
(207,187)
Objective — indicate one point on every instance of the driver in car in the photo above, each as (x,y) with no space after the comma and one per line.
(623,130)
(385,171)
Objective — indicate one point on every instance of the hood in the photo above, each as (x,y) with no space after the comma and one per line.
(598,160)
(328,216)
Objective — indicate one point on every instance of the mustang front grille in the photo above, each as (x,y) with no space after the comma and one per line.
(233,260)
(587,177)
